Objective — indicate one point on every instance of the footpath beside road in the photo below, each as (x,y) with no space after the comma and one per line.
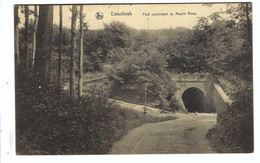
(187,134)
(140,108)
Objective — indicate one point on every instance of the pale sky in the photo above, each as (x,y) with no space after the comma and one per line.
(138,20)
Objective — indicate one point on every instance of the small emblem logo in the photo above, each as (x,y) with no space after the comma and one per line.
(99,15)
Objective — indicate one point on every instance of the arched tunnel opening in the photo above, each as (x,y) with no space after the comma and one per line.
(194,100)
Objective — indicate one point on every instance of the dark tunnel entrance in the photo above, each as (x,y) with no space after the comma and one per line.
(194,100)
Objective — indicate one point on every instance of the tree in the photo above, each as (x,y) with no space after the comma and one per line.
(145,66)
(117,34)
(80,78)
(27,53)
(60,49)
(44,43)
(16,35)
(73,52)
(34,34)
(176,44)
(227,44)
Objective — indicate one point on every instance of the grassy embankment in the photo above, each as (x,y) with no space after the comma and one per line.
(47,123)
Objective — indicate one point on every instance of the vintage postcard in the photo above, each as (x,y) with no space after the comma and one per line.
(133,78)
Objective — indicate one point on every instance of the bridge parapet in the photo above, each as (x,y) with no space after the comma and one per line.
(215,98)
(193,77)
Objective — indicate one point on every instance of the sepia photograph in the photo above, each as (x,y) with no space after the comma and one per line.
(147,78)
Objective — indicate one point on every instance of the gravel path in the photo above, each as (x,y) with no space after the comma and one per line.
(183,135)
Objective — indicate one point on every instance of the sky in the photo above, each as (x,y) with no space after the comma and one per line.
(174,15)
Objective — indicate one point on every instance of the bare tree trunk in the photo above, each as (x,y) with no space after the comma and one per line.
(44,43)
(34,34)
(27,54)
(16,35)
(60,49)
(80,79)
(73,93)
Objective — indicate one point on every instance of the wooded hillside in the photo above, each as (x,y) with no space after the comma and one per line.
(50,57)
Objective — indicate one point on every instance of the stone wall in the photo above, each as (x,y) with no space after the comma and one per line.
(215,98)
(220,98)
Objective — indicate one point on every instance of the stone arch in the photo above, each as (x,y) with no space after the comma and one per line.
(205,87)
(199,86)
(194,100)
(215,98)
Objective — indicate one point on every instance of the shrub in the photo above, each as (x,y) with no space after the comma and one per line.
(173,104)
(49,122)
(99,91)
(234,131)
(145,66)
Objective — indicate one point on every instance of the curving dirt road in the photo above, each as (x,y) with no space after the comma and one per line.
(183,135)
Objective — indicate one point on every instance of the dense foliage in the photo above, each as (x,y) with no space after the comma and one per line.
(234,131)
(231,61)
(51,123)
(145,68)
(48,121)
(220,44)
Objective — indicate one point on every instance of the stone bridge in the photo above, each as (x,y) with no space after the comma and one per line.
(200,92)
(196,92)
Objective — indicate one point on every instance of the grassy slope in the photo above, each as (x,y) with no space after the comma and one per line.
(77,130)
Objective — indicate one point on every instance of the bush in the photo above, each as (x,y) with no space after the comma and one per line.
(49,122)
(92,62)
(234,131)
(99,89)
(173,104)
(145,67)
